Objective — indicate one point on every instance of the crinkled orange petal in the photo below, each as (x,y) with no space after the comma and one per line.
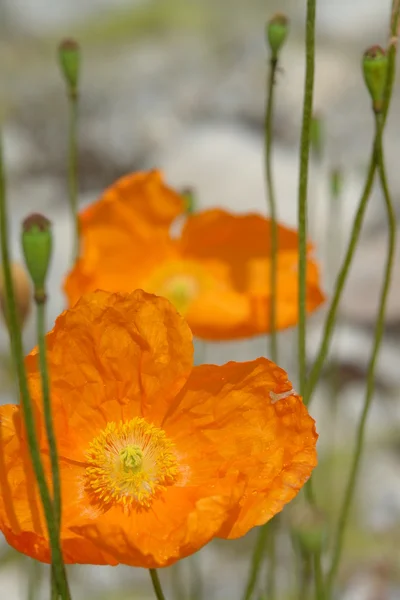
(141,201)
(180,523)
(124,234)
(234,238)
(240,441)
(21,515)
(287,307)
(250,416)
(244,243)
(111,357)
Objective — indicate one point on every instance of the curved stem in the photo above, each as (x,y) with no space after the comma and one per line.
(349,493)
(303,186)
(47,411)
(339,285)
(358,220)
(27,409)
(156,584)
(272,208)
(256,562)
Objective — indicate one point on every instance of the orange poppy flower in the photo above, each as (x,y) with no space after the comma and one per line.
(216,273)
(156,457)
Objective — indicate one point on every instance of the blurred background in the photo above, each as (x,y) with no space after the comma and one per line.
(180,85)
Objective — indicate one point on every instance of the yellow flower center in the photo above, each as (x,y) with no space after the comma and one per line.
(130,464)
(131,458)
(181,281)
(180,290)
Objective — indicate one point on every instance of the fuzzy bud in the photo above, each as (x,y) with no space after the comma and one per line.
(375,69)
(37,245)
(22,293)
(277,30)
(70,57)
(309,527)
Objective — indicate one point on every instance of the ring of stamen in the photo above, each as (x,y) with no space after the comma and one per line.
(129,464)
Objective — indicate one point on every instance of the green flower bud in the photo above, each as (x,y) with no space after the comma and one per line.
(277,30)
(37,243)
(189,196)
(317,135)
(70,57)
(308,527)
(375,69)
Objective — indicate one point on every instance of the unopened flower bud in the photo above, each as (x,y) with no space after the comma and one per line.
(22,293)
(277,30)
(309,527)
(70,57)
(189,196)
(375,69)
(317,137)
(37,244)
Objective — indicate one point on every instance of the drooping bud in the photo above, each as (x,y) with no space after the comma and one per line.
(277,29)
(375,69)
(37,245)
(336,182)
(317,135)
(70,58)
(22,293)
(189,196)
(308,527)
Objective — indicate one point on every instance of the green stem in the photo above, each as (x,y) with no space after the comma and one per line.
(271,554)
(73,169)
(28,416)
(53,586)
(339,285)
(303,186)
(156,584)
(349,493)
(302,209)
(357,224)
(272,208)
(47,411)
(318,577)
(258,554)
(273,338)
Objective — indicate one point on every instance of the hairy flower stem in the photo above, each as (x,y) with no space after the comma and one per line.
(156,584)
(303,186)
(28,416)
(302,215)
(272,526)
(73,169)
(47,411)
(272,207)
(380,321)
(339,285)
(357,223)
